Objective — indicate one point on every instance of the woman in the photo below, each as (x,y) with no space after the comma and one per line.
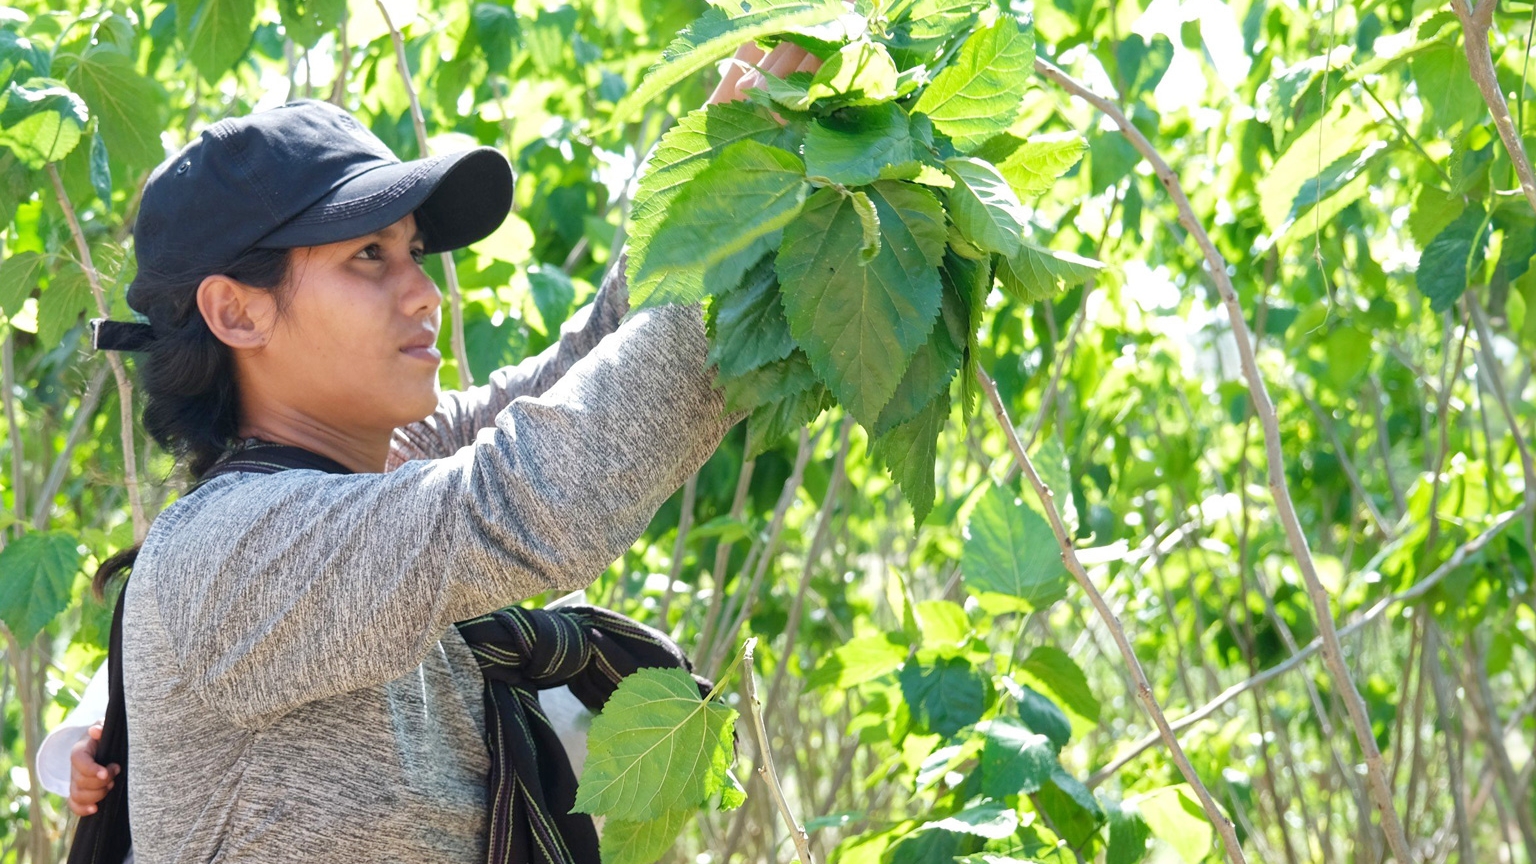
(295,689)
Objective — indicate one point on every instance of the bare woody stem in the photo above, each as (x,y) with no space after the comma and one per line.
(1407,595)
(1476,21)
(765,758)
(1264,408)
(124,385)
(450,272)
(1144,694)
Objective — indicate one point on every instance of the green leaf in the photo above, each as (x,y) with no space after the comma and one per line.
(1040,714)
(129,108)
(37,571)
(1142,64)
(856,661)
(714,36)
(747,324)
(494,29)
(101,170)
(1037,273)
(1444,266)
(1009,549)
(859,324)
(861,73)
(1061,675)
(1014,761)
(42,122)
(945,695)
(18,277)
(655,747)
(984,208)
(1335,177)
(747,191)
(215,33)
(853,145)
(644,842)
(928,845)
(774,421)
(1034,166)
(305,21)
(1071,807)
(993,820)
(553,295)
(933,365)
(59,307)
(1446,87)
(982,92)
(1128,834)
(769,382)
(1175,816)
(910,452)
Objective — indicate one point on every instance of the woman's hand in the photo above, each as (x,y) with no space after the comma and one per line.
(89,781)
(742,76)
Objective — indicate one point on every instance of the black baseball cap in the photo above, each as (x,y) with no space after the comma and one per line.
(303,174)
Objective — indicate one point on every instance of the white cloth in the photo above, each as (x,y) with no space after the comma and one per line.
(53,756)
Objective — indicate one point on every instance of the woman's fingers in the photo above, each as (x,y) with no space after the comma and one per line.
(729,87)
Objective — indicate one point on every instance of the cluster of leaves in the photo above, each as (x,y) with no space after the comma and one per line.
(849,225)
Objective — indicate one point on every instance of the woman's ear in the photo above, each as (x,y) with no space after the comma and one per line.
(239,316)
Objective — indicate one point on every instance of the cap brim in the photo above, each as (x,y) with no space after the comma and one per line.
(458,199)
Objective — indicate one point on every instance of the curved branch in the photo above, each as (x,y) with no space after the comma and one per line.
(1407,595)
(1144,694)
(1264,408)
(1475,23)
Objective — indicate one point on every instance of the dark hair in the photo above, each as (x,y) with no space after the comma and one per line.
(191,401)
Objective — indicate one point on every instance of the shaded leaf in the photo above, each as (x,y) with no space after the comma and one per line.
(215,33)
(1014,760)
(1448,259)
(910,453)
(852,146)
(1036,273)
(747,323)
(860,323)
(37,571)
(945,695)
(643,842)
(1052,667)
(18,277)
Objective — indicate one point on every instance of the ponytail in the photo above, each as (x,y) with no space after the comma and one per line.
(191,398)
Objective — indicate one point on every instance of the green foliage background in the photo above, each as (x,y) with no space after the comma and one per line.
(945,691)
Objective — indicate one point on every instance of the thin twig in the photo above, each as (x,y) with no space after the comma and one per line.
(124,386)
(450,273)
(84,413)
(1264,407)
(679,547)
(765,759)
(1407,595)
(1144,693)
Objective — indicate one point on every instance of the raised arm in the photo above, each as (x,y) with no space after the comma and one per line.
(320,584)
(461,414)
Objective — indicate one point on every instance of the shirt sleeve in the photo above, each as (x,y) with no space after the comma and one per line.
(281,589)
(461,414)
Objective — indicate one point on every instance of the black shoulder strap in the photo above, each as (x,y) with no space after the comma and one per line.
(105,836)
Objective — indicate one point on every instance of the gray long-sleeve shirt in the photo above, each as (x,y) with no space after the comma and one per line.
(296,691)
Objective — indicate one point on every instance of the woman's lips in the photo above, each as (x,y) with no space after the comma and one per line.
(424,352)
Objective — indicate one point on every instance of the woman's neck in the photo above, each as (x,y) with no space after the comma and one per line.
(363,454)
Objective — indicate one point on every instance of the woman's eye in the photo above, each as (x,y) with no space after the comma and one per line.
(419,254)
(370,252)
